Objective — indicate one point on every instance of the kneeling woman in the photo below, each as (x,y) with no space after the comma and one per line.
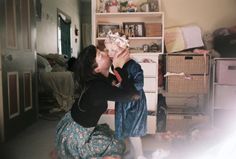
(78,135)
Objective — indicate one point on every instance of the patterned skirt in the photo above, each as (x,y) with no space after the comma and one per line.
(74,141)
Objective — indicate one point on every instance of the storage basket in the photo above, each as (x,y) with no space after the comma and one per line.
(185,122)
(189,64)
(193,84)
(182,101)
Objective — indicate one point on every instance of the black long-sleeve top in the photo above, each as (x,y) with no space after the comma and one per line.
(93,103)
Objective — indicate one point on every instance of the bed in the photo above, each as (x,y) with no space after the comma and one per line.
(55,83)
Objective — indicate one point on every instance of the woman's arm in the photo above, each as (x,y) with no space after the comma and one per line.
(109,92)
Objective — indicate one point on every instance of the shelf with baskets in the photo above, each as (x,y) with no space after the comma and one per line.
(223,91)
(187,88)
(145,31)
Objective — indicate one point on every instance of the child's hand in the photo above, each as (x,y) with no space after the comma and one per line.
(121,58)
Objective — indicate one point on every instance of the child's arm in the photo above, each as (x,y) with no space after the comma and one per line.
(113,93)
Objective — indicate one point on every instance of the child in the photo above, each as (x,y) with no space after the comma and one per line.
(130,117)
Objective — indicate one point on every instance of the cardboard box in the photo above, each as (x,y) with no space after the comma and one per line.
(153,29)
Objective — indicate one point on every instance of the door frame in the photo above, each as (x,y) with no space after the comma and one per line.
(1,98)
(67,17)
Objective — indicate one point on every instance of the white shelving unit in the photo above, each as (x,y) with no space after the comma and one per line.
(224,92)
(150,68)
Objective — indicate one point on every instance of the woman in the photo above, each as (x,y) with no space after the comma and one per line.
(78,135)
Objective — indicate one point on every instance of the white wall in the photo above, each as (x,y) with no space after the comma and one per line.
(208,14)
(47,26)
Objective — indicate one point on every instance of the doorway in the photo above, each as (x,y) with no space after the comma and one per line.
(64,34)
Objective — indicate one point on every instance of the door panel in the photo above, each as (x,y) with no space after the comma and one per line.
(11,23)
(18,64)
(27,91)
(13,94)
(25,23)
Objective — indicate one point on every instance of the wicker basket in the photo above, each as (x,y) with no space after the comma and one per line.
(179,84)
(189,64)
(185,122)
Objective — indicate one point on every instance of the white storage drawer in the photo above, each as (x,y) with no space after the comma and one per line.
(225,96)
(150,85)
(149,69)
(151,101)
(224,119)
(226,71)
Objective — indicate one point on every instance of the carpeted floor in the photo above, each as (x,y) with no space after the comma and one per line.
(36,142)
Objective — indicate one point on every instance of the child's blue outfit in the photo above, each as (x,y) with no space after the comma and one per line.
(131,117)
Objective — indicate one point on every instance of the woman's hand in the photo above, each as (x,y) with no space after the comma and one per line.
(121,58)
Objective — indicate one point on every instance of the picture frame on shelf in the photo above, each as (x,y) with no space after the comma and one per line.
(134,29)
(103,29)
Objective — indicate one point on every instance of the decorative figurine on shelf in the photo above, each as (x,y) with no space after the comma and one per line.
(144,7)
(101,7)
(131,6)
(127,6)
(145,48)
(123,5)
(112,6)
(154,47)
(153,5)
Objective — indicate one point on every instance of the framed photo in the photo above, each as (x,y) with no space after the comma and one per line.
(103,29)
(134,29)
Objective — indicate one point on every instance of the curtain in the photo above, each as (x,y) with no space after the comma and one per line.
(65,37)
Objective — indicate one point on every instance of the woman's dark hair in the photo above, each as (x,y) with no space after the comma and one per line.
(84,66)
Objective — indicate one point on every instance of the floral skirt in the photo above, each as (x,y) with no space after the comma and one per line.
(74,141)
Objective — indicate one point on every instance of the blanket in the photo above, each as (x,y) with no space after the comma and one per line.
(62,86)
